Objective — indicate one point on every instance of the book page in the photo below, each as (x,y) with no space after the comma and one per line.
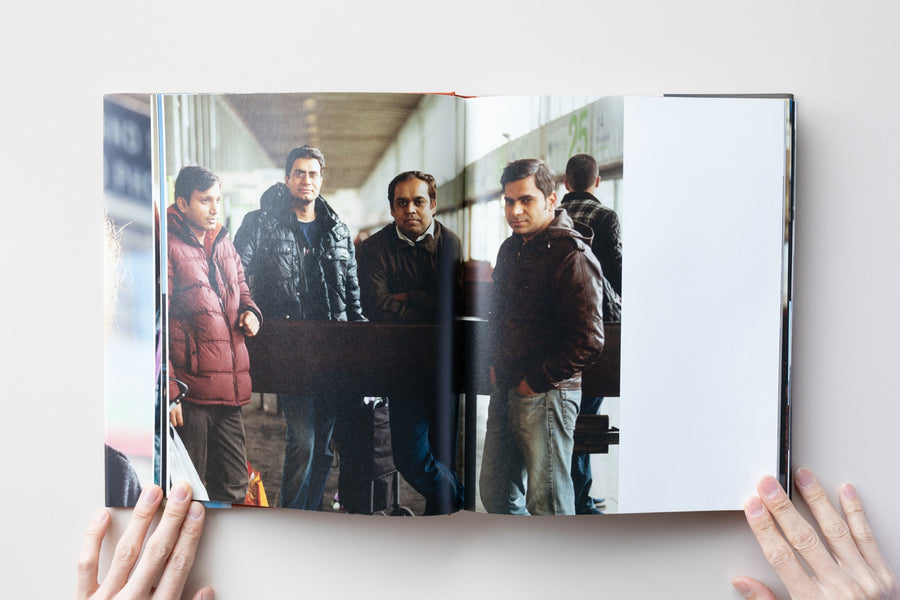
(130,291)
(353,364)
(698,185)
(704,300)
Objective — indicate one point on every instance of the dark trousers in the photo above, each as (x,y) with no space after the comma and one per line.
(214,439)
(307,452)
(422,452)
(581,463)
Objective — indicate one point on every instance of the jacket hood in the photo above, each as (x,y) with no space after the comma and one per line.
(562,225)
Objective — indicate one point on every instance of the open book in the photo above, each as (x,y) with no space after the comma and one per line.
(694,372)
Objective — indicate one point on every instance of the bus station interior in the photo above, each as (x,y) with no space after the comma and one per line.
(366,140)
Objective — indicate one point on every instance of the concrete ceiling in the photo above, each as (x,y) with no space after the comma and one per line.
(352,130)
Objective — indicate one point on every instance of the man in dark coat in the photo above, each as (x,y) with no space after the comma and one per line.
(210,312)
(301,264)
(410,272)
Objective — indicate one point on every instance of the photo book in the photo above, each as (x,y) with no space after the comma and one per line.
(264,343)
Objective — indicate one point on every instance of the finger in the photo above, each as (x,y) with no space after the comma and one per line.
(800,535)
(171,584)
(833,527)
(206,593)
(777,550)
(89,557)
(128,549)
(752,589)
(161,542)
(864,539)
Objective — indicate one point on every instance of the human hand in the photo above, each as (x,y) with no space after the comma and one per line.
(524,389)
(248,323)
(852,569)
(176,416)
(163,567)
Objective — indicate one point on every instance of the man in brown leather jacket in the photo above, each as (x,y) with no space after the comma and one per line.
(547,325)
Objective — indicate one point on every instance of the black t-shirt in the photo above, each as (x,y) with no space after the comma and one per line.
(311,288)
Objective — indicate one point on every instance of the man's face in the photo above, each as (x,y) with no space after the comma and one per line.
(304,180)
(528,211)
(201,213)
(412,208)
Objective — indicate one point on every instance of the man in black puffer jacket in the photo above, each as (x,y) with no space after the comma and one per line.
(300,262)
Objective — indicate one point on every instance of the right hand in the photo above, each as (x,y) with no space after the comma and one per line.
(176,417)
(849,567)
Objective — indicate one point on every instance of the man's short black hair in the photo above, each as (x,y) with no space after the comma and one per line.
(581,172)
(192,178)
(303,152)
(406,176)
(525,167)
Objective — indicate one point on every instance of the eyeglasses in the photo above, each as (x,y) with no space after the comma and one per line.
(308,175)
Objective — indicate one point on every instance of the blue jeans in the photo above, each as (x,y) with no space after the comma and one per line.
(582,478)
(307,452)
(528,453)
(422,463)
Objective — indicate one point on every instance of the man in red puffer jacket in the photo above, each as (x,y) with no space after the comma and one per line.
(210,312)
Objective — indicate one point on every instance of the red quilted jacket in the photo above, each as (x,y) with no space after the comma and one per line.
(206,346)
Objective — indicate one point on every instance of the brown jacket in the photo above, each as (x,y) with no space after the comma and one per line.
(546,315)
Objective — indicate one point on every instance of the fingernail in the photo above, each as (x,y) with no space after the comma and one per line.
(742,588)
(804,478)
(195,511)
(181,492)
(101,515)
(151,494)
(207,594)
(769,487)
(754,507)
(849,491)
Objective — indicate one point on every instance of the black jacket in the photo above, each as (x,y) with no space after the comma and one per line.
(546,316)
(290,278)
(430,273)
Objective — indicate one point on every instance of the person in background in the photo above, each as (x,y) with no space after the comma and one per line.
(581,181)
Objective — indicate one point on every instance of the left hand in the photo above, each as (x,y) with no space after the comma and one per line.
(849,566)
(161,570)
(248,323)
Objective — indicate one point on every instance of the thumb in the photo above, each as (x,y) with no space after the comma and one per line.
(752,589)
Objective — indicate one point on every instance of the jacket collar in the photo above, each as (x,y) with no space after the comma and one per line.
(277,199)
(578,196)
(562,226)
(176,223)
